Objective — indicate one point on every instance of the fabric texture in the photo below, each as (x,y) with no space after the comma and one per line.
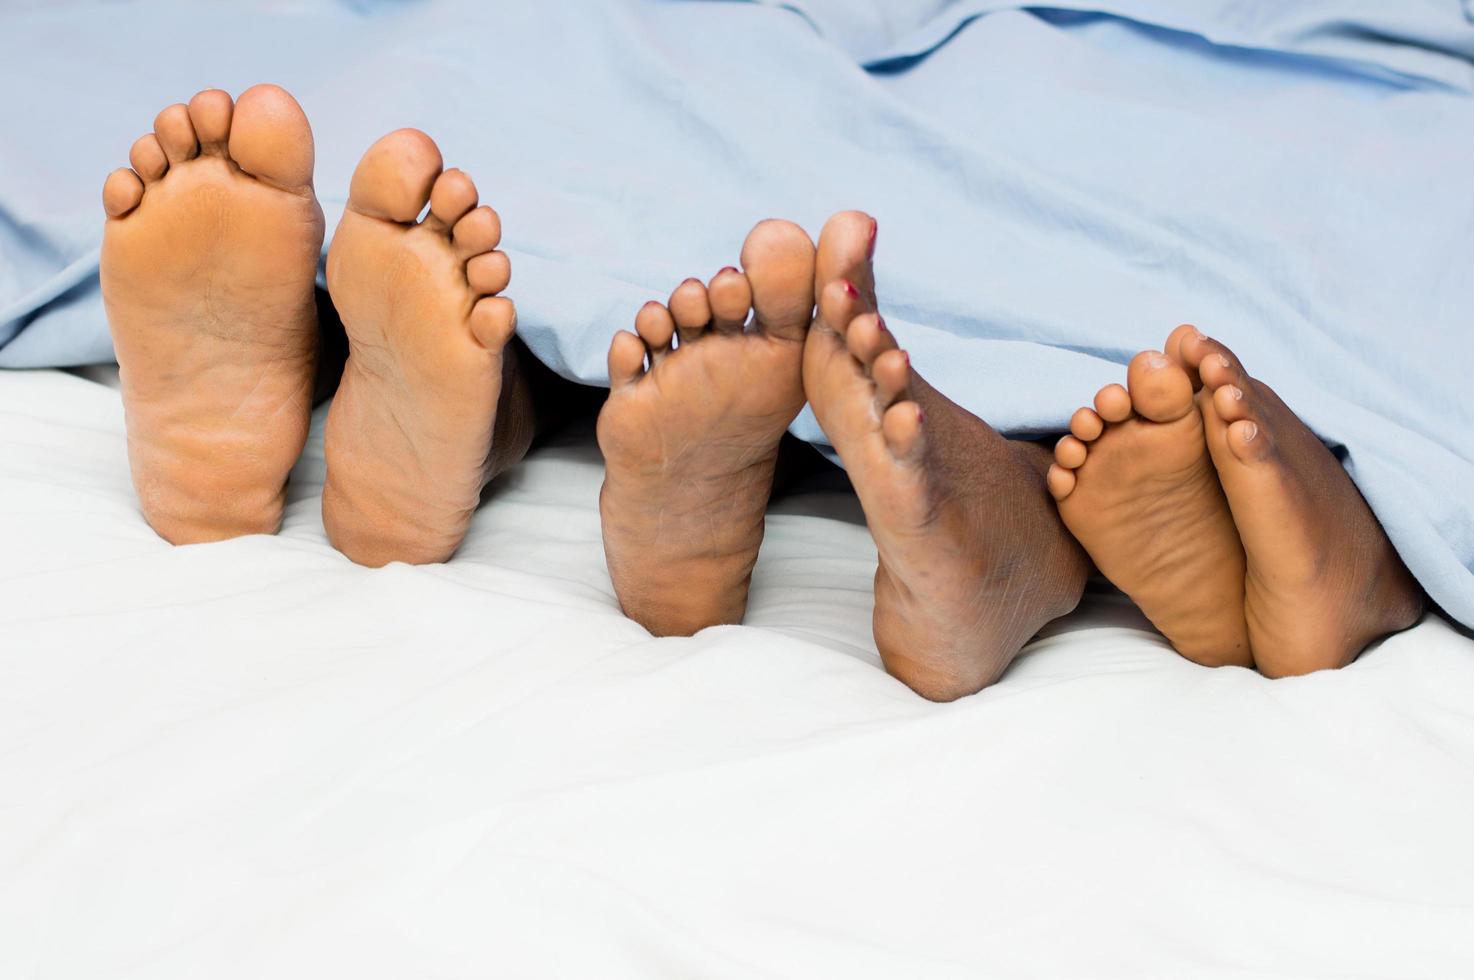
(254,759)
(1056,187)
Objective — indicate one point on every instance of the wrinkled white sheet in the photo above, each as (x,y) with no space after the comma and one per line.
(253,759)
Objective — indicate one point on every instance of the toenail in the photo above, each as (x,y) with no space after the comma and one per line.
(1223,359)
(1198,334)
(1157,360)
(874,230)
(1250,431)
(850,289)
(920,415)
(1236,393)
(725,269)
(880,323)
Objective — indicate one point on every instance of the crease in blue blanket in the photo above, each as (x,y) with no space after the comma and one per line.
(1057,187)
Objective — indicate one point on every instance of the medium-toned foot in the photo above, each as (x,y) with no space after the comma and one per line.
(1322,579)
(208,260)
(414,432)
(973,558)
(1136,487)
(690,442)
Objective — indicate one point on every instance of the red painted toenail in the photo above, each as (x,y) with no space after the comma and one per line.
(880,323)
(726,268)
(850,290)
(920,415)
(874,230)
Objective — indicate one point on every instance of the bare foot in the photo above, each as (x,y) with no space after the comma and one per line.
(208,260)
(1322,579)
(414,432)
(690,444)
(1136,487)
(973,557)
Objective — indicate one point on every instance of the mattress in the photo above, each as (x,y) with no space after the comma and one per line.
(255,759)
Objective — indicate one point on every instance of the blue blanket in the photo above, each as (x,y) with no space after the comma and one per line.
(1056,188)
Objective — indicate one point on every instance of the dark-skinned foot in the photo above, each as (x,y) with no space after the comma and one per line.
(1322,579)
(973,558)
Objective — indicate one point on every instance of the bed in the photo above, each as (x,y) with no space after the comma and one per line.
(255,759)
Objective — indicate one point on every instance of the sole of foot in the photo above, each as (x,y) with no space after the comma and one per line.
(1322,580)
(973,558)
(415,432)
(700,397)
(209,255)
(1136,487)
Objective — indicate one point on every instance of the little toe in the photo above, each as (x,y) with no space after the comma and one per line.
(176,134)
(691,309)
(730,296)
(1070,453)
(778,260)
(489,273)
(1113,403)
(1159,388)
(902,427)
(493,321)
(453,195)
(1085,425)
(656,328)
(121,192)
(477,232)
(271,139)
(210,112)
(147,158)
(846,246)
(626,359)
(891,373)
(1061,481)
(394,179)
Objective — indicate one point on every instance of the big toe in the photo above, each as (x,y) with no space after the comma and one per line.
(778,259)
(270,137)
(1160,389)
(846,246)
(394,179)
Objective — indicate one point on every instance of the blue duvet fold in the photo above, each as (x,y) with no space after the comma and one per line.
(1056,187)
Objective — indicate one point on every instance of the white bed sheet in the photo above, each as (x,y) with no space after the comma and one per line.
(254,759)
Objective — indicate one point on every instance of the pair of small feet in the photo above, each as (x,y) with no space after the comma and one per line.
(1203,497)
(973,558)
(209,259)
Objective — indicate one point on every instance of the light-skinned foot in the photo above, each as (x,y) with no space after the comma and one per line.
(691,430)
(1136,487)
(209,255)
(432,404)
(973,559)
(1322,579)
